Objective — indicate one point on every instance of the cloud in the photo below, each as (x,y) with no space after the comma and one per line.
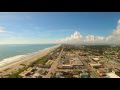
(74,37)
(115,36)
(77,38)
(2,29)
(93,39)
(20,40)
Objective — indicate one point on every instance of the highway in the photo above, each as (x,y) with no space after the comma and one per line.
(54,66)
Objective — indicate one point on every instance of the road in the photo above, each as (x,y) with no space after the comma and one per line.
(53,66)
(86,65)
(92,70)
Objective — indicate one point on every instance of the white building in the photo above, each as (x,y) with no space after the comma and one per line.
(96,59)
(112,75)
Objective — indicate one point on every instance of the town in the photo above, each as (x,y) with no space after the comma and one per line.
(76,61)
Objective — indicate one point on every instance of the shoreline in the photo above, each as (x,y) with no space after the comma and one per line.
(26,59)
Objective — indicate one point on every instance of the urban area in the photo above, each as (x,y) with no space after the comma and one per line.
(80,61)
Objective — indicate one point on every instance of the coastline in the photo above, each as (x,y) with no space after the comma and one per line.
(16,64)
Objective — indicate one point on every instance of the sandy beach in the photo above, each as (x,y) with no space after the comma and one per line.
(15,65)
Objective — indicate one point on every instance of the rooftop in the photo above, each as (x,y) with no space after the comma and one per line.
(76,62)
(96,59)
(112,75)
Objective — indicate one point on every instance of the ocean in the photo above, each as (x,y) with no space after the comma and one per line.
(8,51)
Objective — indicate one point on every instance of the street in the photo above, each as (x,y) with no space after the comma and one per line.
(53,66)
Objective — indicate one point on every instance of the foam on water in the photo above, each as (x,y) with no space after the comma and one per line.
(19,57)
(11,59)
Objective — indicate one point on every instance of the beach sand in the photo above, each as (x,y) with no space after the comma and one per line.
(24,61)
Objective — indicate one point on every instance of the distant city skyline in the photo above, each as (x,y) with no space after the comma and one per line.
(59,27)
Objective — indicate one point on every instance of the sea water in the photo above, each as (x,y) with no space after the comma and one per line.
(19,50)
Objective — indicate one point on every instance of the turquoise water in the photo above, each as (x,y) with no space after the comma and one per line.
(7,51)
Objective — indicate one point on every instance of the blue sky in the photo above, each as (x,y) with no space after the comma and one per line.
(46,27)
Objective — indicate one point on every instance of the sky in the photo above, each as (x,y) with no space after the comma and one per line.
(59,27)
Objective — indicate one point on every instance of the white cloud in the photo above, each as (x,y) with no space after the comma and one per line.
(92,38)
(2,29)
(115,36)
(22,40)
(76,37)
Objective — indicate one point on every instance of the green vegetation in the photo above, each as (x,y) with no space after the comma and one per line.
(39,61)
(42,60)
(53,75)
(16,75)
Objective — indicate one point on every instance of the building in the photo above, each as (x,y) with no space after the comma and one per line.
(71,54)
(84,75)
(85,70)
(116,70)
(112,75)
(96,59)
(36,75)
(95,65)
(26,72)
(44,66)
(101,72)
(76,76)
(59,74)
(49,62)
(66,66)
(76,62)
